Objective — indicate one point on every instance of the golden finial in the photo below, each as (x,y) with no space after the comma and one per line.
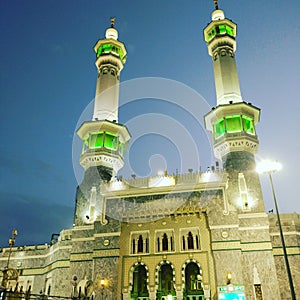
(112,22)
(216,4)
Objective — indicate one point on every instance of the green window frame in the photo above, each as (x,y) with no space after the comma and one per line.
(110,48)
(96,140)
(248,125)
(219,128)
(111,141)
(234,124)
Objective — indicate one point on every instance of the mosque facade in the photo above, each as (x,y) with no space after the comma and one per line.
(193,236)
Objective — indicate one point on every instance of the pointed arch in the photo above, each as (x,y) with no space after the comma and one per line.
(131,272)
(165,278)
(183,269)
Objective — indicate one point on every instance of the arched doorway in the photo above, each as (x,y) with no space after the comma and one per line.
(193,282)
(139,284)
(165,282)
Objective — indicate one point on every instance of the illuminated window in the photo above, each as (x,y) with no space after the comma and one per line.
(233,124)
(222,29)
(248,125)
(111,141)
(96,140)
(219,128)
(110,48)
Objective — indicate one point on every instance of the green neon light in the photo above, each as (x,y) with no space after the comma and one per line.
(111,48)
(248,125)
(96,140)
(220,30)
(111,141)
(235,123)
(219,128)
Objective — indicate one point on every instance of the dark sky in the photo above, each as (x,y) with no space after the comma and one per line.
(48,79)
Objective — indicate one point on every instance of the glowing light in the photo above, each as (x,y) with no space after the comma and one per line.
(160,173)
(268,166)
(159,181)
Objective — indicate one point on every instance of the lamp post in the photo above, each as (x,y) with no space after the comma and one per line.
(102,284)
(269,167)
(5,272)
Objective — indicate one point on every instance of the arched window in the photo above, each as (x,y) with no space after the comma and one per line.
(183,242)
(190,241)
(165,242)
(139,287)
(140,244)
(166,283)
(193,280)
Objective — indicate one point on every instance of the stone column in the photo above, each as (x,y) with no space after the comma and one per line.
(179,295)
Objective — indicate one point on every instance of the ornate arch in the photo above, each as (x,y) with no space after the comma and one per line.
(131,274)
(157,269)
(184,267)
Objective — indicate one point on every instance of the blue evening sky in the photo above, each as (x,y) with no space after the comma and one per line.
(48,78)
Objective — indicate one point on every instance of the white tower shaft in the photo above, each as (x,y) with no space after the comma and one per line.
(220,37)
(111,55)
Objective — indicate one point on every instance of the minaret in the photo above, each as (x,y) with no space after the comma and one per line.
(232,123)
(233,120)
(220,38)
(103,139)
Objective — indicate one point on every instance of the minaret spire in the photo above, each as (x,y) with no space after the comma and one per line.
(216,4)
(220,37)
(112,22)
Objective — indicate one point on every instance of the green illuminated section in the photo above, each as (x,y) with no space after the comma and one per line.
(96,140)
(111,141)
(111,48)
(103,139)
(219,128)
(248,124)
(235,123)
(221,30)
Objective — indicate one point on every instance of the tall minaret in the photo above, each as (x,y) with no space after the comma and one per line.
(232,121)
(103,139)
(220,38)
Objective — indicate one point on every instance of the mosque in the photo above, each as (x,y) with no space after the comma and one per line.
(188,236)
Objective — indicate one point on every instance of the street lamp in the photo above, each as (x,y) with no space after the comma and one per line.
(6,275)
(102,284)
(269,167)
